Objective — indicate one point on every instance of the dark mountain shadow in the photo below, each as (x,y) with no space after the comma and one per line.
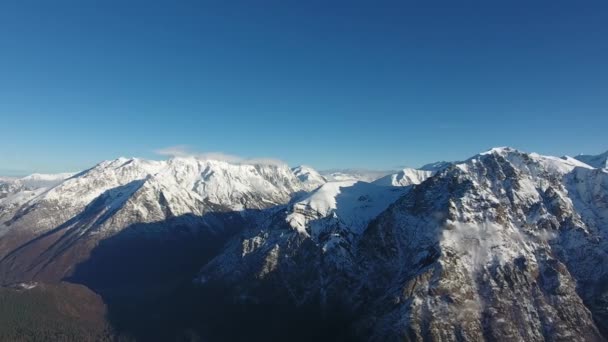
(49,256)
(585,189)
(145,275)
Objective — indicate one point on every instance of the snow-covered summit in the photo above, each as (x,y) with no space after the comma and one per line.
(449,256)
(599,161)
(533,162)
(436,166)
(37,180)
(405,177)
(499,150)
(15,192)
(351,204)
(310,178)
(149,190)
(339,175)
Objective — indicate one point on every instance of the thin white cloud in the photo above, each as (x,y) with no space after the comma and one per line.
(184,151)
(174,151)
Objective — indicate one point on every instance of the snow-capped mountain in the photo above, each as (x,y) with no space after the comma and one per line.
(41,180)
(29,183)
(310,178)
(437,166)
(340,175)
(503,246)
(599,161)
(136,190)
(350,204)
(405,177)
(173,195)
(14,192)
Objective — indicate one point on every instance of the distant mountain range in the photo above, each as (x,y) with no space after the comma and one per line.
(504,246)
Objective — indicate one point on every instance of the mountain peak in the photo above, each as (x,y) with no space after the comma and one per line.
(437,166)
(500,150)
(309,177)
(447,256)
(598,161)
(405,177)
(354,174)
(193,185)
(350,203)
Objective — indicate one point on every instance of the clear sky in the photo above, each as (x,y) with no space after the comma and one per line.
(331,84)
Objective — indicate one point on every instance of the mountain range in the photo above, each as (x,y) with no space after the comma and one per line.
(503,246)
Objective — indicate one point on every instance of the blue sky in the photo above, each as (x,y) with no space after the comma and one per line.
(331,84)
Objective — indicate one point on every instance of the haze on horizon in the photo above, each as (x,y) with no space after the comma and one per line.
(375,86)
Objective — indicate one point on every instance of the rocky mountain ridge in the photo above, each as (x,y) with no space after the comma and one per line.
(505,245)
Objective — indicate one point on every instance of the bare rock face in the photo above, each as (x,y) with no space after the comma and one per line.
(505,246)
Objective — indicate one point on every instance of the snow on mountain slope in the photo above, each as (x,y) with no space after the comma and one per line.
(31,182)
(332,217)
(599,161)
(309,177)
(182,185)
(354,174)
(505,230)
(503,246)
(39,180)
(15,192)
(437,166)
(405,177)
(178,199)
(353,203)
